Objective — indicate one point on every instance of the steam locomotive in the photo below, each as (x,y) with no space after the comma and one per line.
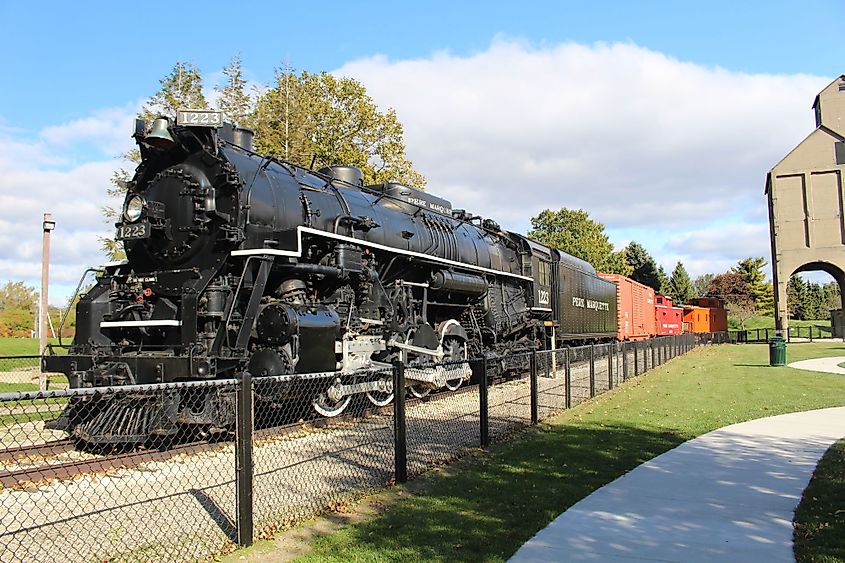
(240,261)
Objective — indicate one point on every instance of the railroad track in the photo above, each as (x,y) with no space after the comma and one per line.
(48,449)
(72,469)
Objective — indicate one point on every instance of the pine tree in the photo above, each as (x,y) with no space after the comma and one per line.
(815,302)
(180,89)
(663,281)
(680,286)
(751,270)
(643,267)
(765,300)
(233,99)
(833,299)
(796,298)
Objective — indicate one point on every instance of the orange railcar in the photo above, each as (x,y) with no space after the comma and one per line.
(634,308)
(668,319)
(705,314)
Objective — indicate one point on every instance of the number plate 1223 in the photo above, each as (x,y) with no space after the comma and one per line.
(199,118)
(137,230)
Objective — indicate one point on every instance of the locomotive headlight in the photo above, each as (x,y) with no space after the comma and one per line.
(134,207)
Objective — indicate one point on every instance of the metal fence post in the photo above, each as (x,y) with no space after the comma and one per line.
(651,345)
(611,355)
(592,371)
(535,408)
(624,361)
(400,432)
(636,360)
(568,380)
(483,404)
(243,459)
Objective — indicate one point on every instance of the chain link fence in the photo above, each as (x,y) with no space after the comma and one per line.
(185,471)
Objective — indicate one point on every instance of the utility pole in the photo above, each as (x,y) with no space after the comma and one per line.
(47,226)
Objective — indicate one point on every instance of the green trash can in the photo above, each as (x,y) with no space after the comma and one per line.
(777,351)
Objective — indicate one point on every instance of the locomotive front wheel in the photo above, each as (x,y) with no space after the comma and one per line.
(420,391)
(326,407)
(380,398)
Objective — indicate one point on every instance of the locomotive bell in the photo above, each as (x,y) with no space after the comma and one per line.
(159,135)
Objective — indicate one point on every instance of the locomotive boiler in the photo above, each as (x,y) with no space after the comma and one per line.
(240,261)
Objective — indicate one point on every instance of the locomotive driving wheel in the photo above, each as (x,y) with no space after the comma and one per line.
(325,403)
(418,390)
(454,349)
(382,398)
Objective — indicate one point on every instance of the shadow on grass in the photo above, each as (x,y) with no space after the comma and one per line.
(500,499)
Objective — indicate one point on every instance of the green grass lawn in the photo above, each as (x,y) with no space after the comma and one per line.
(769,322)
(484,507)
(820,518)
(24,346)
(9,387)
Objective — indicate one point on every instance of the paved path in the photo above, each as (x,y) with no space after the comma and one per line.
(829,365)
(728,495)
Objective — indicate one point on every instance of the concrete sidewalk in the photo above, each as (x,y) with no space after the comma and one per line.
(828,365)
(728,495)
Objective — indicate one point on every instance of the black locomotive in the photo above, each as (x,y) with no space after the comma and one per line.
(241,261)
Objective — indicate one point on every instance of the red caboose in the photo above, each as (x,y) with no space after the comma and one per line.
(669,319)
(706,314)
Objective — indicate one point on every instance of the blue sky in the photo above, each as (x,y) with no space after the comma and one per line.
(75,72)
(73,57)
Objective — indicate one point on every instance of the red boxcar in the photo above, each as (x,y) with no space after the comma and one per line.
(634,308)
(668,319)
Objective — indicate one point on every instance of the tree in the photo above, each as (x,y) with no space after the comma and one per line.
(765,300)
(18,307)
(573,232)
(18,295)
(814,303)
(329,120)
(751,270)
(643,267)
(833,299)
(739,300)
(233,100)
(680,286)
(663,281)
(181,88)
(796,298)
(701,284)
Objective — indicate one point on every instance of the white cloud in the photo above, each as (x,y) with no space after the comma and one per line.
(637,138)
(645,143)
(63,169)
(108,130)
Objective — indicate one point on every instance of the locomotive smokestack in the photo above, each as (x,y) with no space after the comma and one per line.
(243,137)
(348,174)
(238,136)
